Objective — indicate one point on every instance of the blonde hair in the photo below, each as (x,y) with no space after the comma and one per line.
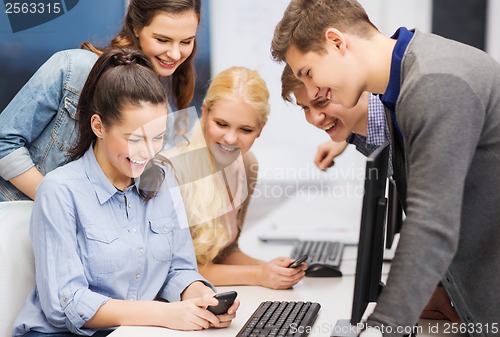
(240,83)
(207,201)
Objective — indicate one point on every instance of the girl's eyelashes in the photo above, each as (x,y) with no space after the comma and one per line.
(187,42)
(223,125)
(137,140)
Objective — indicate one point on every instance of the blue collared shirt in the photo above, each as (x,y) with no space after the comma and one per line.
(93,243)
(377,130)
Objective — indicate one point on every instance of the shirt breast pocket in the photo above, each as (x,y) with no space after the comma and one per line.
(107,253)
(161,238)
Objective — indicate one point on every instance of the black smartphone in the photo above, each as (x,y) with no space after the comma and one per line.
(297,262)
(225,301)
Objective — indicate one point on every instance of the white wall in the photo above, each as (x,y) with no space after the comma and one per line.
(241,33)
(493,29)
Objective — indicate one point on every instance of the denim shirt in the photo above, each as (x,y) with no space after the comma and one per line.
(93,243)
(38,125)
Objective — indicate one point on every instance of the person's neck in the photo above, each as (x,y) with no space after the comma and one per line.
(378,57)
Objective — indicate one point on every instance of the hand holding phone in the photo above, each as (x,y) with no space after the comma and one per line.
(298,261)
(225,301)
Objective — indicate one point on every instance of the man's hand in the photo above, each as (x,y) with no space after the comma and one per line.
(439,307)
(327,152)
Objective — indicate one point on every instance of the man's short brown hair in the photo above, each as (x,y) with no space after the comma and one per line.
(289,83)
(305,21)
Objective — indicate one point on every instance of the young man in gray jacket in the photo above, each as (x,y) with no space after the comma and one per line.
(442,100)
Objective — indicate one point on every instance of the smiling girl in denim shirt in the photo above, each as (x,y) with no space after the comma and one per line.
(38,126)
(110,235)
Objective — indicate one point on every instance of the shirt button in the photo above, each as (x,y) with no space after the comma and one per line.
(64,299)
(165,229)
(129,205)
(141,250)
(137,276)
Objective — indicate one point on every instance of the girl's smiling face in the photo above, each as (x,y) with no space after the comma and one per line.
(169,40)
(123,149)
(231,126)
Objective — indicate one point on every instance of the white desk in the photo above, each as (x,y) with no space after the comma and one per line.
(334,294)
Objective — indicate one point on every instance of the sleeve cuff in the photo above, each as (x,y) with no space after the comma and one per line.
(81,309)
(173,290)
(15,163)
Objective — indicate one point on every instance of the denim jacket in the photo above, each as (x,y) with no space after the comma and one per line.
(38,126)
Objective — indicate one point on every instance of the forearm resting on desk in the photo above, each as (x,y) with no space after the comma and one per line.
(28,182)
(240,269)
(184,315)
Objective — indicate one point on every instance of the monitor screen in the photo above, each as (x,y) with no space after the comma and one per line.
(371,234)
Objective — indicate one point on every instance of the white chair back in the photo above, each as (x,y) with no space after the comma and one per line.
(17,267)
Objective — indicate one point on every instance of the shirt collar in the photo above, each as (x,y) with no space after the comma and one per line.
(403,37)
(104,189)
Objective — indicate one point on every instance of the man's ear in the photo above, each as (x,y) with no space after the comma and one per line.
(96,125)
(336,39)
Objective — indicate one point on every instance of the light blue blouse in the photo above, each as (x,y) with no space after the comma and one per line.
(93,242)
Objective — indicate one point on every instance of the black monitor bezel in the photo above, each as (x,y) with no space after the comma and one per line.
(372,234)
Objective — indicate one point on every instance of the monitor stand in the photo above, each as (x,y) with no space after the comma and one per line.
(344,328)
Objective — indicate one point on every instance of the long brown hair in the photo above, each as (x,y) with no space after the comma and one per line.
(140,13)
(121,76)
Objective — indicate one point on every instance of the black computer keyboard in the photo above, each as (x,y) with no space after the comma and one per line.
(275,318)
(324,257)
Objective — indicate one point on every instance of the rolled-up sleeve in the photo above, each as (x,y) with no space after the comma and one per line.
(15,163)
(29,112)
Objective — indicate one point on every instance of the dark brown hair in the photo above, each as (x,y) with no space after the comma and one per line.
(121,76)
(289,83)
(305,21)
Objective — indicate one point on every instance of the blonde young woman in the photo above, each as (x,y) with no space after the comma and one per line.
(217,174)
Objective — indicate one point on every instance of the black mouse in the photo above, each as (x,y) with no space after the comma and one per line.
(322,270)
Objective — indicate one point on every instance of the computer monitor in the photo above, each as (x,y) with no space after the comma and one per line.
(367,284)
(394,214)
